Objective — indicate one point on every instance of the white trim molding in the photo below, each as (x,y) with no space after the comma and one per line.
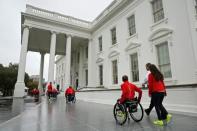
(160,33)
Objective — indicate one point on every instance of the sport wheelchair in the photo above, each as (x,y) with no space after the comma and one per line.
(121,111)
(70,98)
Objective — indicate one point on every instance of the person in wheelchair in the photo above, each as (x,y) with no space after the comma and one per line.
(128,91)
(70,94)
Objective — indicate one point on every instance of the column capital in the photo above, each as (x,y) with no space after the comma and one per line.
(42,53)
(26,26)
(69,35)
(54,32)
(90,39)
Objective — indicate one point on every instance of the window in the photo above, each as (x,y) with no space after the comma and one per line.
(134,67)
(86,73)
(196,6)
(164,59)
(78,57)
(113,36)
(86,51)
(101,74)
(115,72)
(100,44)
(131,22)
(158,11)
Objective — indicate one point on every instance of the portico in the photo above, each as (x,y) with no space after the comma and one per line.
(44,35)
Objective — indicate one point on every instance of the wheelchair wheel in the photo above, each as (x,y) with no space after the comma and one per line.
(120,113)
(74,99)
(138,114)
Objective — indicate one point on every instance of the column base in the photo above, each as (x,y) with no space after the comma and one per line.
(19,90)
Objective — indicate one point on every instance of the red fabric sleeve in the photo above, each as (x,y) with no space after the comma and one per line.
(150,84)
(139,93)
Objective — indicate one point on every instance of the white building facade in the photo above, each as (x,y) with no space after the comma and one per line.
(121,40)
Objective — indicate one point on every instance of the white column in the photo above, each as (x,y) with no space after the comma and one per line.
(90,84)
(81,80)
(20,85)
(52,57)
(67,61)
(40,86)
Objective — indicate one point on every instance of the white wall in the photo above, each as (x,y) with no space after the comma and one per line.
(183,65)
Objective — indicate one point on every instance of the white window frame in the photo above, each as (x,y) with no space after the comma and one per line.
(112,80)
(129,28)
(112,41)
(130,67)
(153,13)
(100,44)
(164,43)
(168,39)
(99,75)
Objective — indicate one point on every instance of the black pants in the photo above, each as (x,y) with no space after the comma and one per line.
(157,98)
(150,106)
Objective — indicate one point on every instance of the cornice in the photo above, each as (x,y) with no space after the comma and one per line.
(105,15)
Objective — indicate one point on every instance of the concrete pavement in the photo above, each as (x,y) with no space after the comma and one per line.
(86,116)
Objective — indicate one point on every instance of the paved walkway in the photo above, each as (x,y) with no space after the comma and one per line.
(86,116)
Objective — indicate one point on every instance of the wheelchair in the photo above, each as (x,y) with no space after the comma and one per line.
(131,108)
(70,98)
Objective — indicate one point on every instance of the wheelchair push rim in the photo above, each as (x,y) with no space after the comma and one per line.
(120,113)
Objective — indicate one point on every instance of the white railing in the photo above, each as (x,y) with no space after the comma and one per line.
(107,10)
(56,16)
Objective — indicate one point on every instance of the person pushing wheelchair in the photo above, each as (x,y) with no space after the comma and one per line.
(128,91)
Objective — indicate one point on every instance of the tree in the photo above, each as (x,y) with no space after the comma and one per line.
(8,77)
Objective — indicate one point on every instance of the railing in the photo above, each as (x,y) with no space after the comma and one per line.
(106,11)
(58,17)
(68,19)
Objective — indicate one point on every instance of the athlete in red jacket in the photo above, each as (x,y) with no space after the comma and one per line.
(128,90)
(70,91)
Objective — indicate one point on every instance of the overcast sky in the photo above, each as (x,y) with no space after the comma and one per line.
(10,23)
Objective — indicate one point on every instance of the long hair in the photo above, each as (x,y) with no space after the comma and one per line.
(156,73)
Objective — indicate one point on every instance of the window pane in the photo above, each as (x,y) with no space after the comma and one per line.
(101,74)
(100,44)
(115,72)
(164,59)
(158,12)
(131,21)
(134,67)
(86,73)
(113,34)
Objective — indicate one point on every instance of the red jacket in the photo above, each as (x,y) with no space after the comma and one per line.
(69,91)
(155,86)
(128,91)
(35,91)
(49,88)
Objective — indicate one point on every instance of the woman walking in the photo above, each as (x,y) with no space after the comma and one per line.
(157,92)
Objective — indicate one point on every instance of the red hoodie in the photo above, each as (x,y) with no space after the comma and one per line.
(69,91)
(128,92)
(155,86)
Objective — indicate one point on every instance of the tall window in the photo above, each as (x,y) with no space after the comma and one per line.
(164,59)
(196,6)
(115,72)
(113,36)
(158,11)
(131,22)
(86,51)
(86,73)
(101,74)
(78,57)
(100,44)
(134,67)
